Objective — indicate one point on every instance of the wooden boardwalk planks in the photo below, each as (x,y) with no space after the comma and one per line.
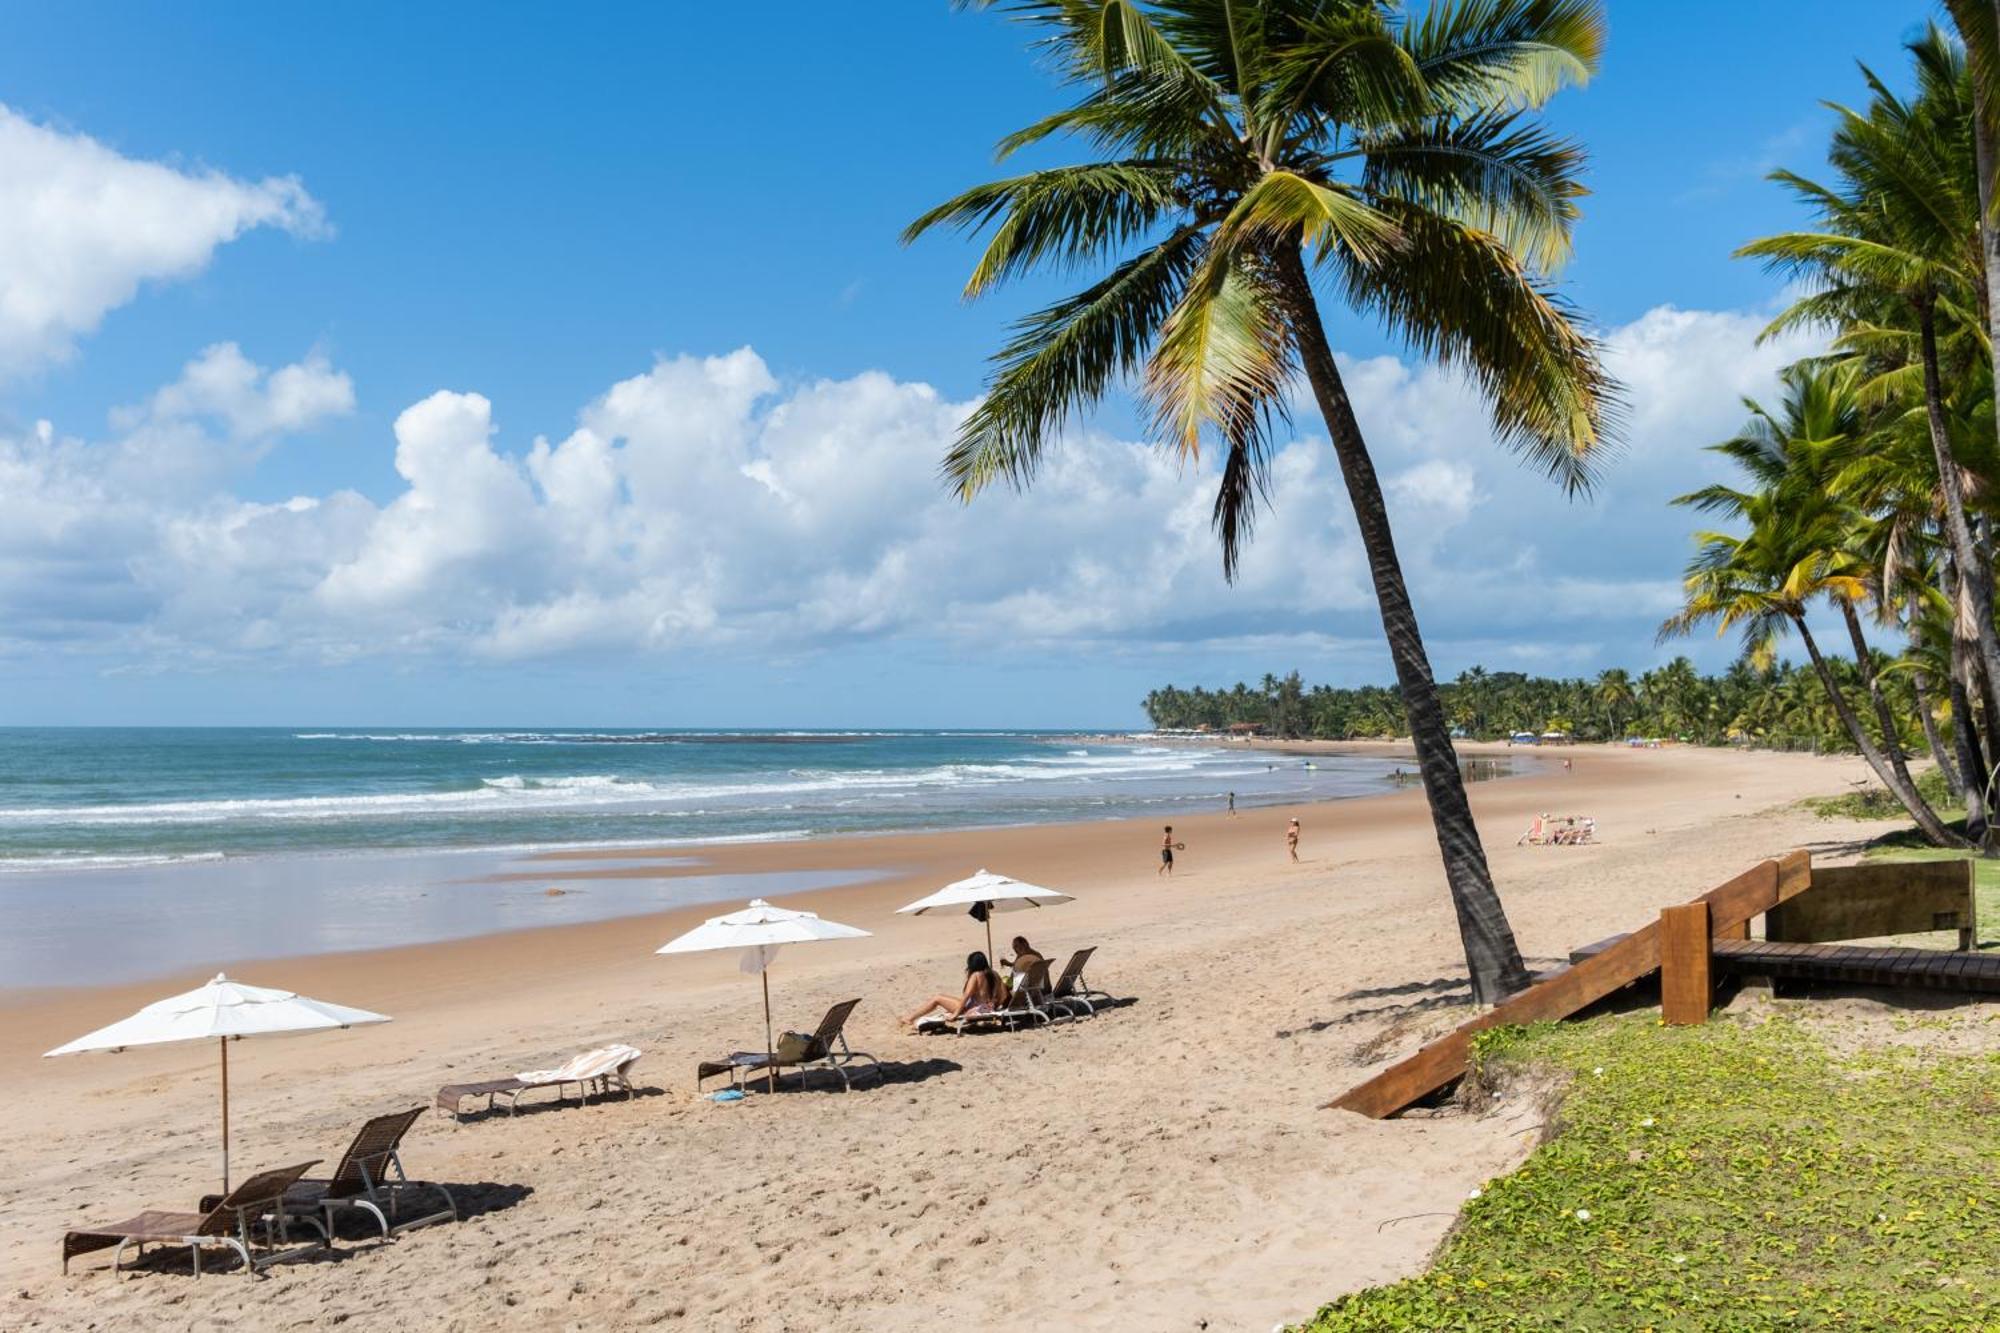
(1563,993)
(1847,964)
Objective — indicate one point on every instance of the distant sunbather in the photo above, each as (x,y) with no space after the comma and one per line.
(983,993)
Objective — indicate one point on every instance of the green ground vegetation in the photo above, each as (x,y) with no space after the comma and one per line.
(1736,1176)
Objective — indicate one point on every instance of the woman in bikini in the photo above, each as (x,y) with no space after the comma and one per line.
(983,993)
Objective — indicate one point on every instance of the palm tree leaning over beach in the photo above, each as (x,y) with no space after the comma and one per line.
(1805,540)
(1257,155)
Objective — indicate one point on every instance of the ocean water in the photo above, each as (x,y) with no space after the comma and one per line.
(98,797)
(127,854)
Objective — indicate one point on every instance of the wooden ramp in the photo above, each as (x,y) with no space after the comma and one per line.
(1853,965)
(1632,958)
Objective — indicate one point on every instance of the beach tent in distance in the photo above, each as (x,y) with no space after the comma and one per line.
(223,1010)
(984,894)
(760,930)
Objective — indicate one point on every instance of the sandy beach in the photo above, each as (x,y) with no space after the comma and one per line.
(1160,1166)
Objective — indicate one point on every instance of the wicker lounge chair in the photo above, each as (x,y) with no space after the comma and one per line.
(234,1221)
(369,1179)
(1071,992)
(602,1070)
(1029,1000)
(826,1049)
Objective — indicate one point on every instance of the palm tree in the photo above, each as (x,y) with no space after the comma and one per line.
(1798,547)
(1900,239)
(1258,154)
(1615,695)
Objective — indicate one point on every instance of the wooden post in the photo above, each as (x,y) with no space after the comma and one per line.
(1685,988)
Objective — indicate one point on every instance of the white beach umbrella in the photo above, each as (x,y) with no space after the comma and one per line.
(219,1011)
(1000,893)
(760,930)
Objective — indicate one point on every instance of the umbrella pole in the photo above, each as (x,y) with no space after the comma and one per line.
(223,1043)
(770,1057)
(989,936)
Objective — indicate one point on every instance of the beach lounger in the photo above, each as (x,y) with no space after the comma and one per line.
(1029,1000)
(601,1071)
(825,1049)
(369,1179)
(257,1204)
(1071,992)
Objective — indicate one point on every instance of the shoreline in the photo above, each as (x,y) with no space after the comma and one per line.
(903,862)
(300,893)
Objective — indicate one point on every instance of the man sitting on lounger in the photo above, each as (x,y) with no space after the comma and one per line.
(1023,962)
(983,993)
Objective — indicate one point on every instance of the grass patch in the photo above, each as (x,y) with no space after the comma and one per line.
(1877,803)
(1736,1176)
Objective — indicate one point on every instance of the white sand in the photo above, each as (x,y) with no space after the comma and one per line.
(1162,1166)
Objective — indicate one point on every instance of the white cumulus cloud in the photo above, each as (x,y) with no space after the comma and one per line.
(704,504)
(82,226)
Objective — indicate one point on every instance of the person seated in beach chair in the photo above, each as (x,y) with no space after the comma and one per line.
(1023,962)
(1027,1002)
(984,992)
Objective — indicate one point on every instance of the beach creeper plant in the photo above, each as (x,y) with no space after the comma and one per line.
(1254,158)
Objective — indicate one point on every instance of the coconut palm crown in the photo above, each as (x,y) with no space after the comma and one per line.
(1252,156)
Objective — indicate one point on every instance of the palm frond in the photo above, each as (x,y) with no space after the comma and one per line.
(1489,54)
(1458,295)
(1496,172)
(1061,359)
(1283,206)
(1072,214)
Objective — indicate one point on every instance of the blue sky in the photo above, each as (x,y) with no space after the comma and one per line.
(497,200)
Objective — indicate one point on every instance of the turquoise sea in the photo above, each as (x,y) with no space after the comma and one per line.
(127,852)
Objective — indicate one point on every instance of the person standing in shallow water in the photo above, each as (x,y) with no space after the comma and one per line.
(1167,849)
(1292,838)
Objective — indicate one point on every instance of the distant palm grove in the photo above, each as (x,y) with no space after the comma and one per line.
(1781,707)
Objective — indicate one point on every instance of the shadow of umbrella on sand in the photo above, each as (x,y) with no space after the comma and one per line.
(759,930)
(984,894)
(221,1011)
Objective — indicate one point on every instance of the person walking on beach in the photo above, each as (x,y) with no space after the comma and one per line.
(1167,849)
(1292,838)
(1232,805)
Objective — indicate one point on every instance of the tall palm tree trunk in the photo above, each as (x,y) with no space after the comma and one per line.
(1491,954)
(1899,786)
(1972,564)
(1920,685)
(1864,661)
(1972,766)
